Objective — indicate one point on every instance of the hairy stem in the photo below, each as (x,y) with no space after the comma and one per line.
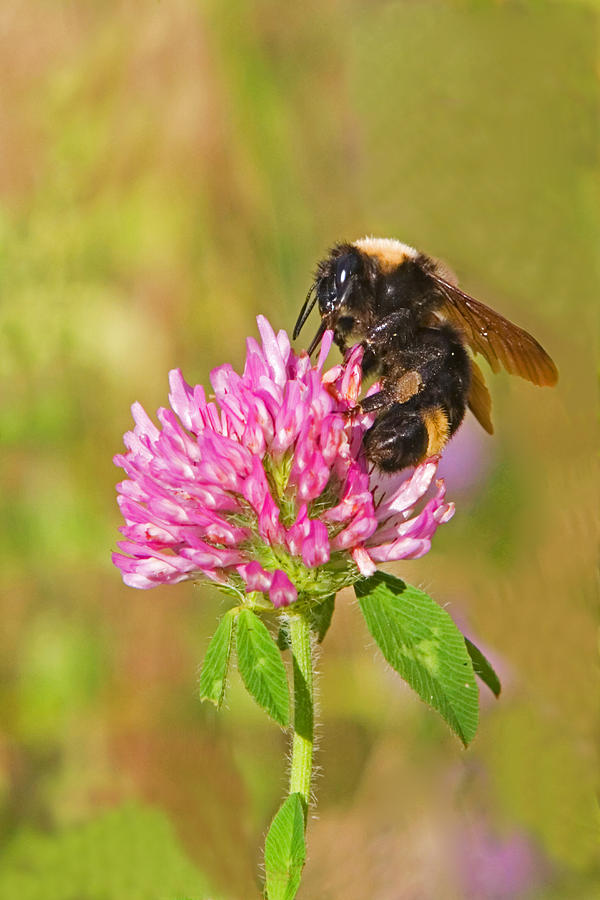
(303,735)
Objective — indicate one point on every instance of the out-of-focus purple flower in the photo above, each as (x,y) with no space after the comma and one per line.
(267,490)
(493,868)
(467,459)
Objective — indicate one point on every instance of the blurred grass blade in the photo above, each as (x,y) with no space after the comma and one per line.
(421,642)
(483,668)
(213,677)
(285,850)
(261,667)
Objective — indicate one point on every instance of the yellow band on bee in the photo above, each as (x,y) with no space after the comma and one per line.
(438,429)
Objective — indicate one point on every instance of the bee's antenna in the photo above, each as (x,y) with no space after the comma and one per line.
(305,311)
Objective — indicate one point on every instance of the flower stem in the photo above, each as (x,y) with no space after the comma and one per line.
(303,736)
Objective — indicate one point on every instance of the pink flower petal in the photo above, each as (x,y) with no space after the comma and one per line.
(273,351)
(269,527)
(282,592)
(315,547)
(365,564)
(256,578)
(326,342)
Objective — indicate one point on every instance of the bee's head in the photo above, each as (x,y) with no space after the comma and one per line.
(333,289)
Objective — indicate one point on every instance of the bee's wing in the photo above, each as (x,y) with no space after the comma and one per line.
(480,402)
(500,341)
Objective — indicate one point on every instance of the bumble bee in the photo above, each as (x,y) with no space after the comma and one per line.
(416,327)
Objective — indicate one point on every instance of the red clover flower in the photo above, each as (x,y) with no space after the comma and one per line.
(266,490)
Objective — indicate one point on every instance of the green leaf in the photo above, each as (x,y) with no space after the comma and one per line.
(285,850)
(261,667)
(213,678)
(320,617)
(421,642)
(483,668)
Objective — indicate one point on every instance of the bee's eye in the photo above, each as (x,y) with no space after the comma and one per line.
(326,294)
(346,266)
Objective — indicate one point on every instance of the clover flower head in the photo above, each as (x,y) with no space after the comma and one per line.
(266,490)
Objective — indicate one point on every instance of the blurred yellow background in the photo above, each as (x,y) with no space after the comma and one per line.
(167,171)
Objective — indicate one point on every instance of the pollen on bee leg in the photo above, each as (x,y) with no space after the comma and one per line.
(407,386)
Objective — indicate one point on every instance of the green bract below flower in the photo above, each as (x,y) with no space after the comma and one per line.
(267,491)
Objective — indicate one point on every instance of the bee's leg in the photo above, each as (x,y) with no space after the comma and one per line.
(390,327)
(374,402)
(406,387)
(387,330)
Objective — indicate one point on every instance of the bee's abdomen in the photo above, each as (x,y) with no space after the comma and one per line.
(404,433)
(444,368)
(398,438)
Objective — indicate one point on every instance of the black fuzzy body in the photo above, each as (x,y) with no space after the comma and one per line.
(391,309)
(406,432)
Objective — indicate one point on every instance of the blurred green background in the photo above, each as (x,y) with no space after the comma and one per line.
(167,171)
